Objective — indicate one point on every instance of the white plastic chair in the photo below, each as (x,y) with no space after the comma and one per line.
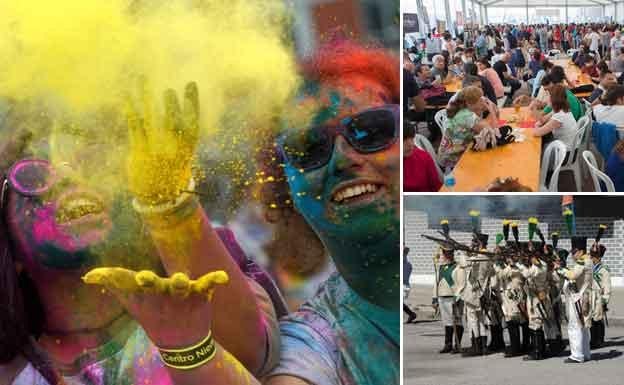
(553,155)
(573,162)
(501,101)
(554,53)
(440,119)
(571,52)
(424,144)
(597,175)
(586,123)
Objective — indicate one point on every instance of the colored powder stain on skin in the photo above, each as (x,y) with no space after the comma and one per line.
(240,370)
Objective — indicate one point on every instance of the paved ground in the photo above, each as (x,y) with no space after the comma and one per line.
(423,365)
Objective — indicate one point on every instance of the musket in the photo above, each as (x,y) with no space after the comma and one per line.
(605,310)
(450,243)
(437,282)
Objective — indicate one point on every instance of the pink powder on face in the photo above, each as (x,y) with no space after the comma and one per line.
(45,230)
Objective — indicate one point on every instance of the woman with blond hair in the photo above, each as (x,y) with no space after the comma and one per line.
(464,122)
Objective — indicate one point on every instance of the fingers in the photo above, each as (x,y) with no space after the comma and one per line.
(206,284)
(113,278)
(147,99)
(179,285)
(173,114)
(191,115)
(136,132)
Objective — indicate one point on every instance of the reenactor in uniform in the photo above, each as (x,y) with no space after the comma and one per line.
(477,280)
(513,296)
(539,306)
(602,292)
(554,340)
(450,278)
(578,292)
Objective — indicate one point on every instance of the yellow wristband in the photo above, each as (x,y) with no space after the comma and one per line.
(191,357)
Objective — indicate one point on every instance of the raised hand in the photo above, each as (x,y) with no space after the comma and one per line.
(161,150)
(174,312)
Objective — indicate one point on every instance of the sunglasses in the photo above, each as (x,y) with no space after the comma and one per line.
(368,131)
(28,177)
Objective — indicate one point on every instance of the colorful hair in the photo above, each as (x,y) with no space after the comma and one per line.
(344,58)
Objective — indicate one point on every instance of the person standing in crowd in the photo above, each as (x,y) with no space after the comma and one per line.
(602,293)
(448,44)
(407,272)
(450,278)
(578,292)
(594,40)
(481,44)
(433,46)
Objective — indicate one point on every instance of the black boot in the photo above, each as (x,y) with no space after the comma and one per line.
(531,341)
(448,340)
(498,342)
(594,331)
(473,350)
(538,345)
(460,333)
(555,347)
(483,347)
(601,333)
(526,337)
(514,348)
(411,316)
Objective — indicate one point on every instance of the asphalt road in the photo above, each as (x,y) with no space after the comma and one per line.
(423,365)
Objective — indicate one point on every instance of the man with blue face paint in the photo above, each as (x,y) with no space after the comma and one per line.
(343,177)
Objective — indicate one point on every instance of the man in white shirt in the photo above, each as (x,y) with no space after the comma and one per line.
(594,39)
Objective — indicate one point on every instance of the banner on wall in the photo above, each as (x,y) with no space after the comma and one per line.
(410,23)
(459,18)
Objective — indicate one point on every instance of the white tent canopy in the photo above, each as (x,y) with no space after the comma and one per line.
(458,12)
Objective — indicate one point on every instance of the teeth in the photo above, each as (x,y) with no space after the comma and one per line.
(353,191)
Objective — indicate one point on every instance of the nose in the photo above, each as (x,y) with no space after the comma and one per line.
(344,157)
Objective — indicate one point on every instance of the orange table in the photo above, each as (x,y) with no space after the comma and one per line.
(454,85)
(522,160)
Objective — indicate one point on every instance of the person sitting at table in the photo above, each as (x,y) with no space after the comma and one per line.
(499,52)
(477,81)
(419,170)
(612,108)
(440,71)
(457,66)
(471,69)
(607,79)
(469,55)
(558,72)
(543,111)
(589,68)
(504,73)
(614,167)
(561,123)
(485,70)
(431,90)
(535,64)
(602,67)
(536,82)
(463,124)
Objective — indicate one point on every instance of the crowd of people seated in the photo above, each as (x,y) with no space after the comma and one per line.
(557,71)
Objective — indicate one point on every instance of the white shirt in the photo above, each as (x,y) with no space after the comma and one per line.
(568,129)
(610,114)
(595,40)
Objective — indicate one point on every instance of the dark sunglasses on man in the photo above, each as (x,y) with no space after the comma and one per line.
(368,131)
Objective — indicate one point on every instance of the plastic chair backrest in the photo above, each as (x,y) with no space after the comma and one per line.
(578,141)
(440,119)
(597,175)
(553,155)
(424,144)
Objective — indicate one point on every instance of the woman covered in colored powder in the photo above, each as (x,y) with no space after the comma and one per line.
(74,307)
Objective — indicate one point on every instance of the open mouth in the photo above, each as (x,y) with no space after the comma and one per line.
(355,193)
(76,206)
